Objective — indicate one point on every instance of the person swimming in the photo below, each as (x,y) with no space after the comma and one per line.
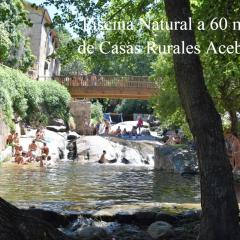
(104,160)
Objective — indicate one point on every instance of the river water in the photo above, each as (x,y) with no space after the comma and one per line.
(70,187)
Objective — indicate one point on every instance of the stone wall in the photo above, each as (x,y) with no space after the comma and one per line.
(81,111)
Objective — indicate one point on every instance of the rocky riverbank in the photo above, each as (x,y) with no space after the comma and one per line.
(147,221)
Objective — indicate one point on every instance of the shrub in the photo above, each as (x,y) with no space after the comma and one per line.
(25,97)
(96,112)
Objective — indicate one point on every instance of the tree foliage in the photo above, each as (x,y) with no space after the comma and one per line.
(96,112)
(24,97)
(14,46)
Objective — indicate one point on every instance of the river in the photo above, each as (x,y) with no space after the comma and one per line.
(69,187)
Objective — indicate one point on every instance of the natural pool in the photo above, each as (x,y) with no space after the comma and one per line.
(72,186)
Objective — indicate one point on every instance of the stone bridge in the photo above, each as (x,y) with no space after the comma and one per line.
(109,86)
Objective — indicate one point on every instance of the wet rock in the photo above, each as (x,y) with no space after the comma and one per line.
(161,216)
(129,232)
(53,218)
(56,128)
(160,230)
(189,171)
(144,218)
(190,215)
(125,161)
(91,233)
(24,225)
(72,136)
(175,158)
(56,122)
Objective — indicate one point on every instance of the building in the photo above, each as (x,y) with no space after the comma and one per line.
(44,43)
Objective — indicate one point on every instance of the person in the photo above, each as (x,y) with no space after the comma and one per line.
(118,131)
(107,126)
(32,150)
(45,150)
(97,127)
(139,124)
(39,134)
(103,157)
(42,158)
(16,139)
(10,142)
(124,132)
(10,138)
(134,131)
(104,160)
(176,138)
(18,154)
(24,158)
(233,150)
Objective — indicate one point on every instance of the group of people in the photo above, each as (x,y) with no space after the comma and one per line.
(35,152)
(136,130)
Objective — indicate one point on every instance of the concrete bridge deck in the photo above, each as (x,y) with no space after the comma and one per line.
(109,86)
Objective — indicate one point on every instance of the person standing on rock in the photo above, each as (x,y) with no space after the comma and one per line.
(107,127)
(139,124)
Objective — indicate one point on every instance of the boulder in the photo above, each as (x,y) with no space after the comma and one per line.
(57,128)
(91,233)
(56,122)
(175,158)
(190,215)
(53,218)
(160,230)
(144,217)
(162,216)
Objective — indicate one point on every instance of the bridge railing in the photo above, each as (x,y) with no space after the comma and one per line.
(106,81)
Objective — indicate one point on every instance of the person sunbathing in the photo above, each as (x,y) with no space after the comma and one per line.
(118,131)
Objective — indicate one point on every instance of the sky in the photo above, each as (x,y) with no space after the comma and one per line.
(52,10)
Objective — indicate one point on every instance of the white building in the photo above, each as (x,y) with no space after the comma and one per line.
(44,43)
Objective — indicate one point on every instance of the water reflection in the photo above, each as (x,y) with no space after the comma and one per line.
(70,184)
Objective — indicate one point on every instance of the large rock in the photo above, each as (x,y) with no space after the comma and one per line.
(126,152)
(160,230)
(56,122)
(175,158)
(53,218)
(91,233)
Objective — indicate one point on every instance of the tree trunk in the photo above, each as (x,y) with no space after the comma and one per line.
(16,224)
(234,122)
(219,204)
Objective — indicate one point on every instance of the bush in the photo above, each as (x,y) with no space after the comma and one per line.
(25,97)
(96,112)
(129,106)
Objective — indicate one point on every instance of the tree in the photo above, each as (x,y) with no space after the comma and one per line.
(219,205)
(130,106)
(224,85)
(14,46)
